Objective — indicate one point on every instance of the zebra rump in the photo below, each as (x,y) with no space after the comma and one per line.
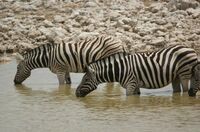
(67,57)
(157,69)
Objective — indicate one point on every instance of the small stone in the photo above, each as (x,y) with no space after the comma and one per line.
(33,33)
(47,32)
(160,21)
(114,16)
(90,4)
(48,23)
(126,27)
(155,7)
(39,18)
(4,27)
(60,32)
(159,41)
(193,37)
(59,19)
(129,21)
(87,34)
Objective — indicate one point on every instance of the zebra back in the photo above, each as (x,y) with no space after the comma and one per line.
(154,70)
(77,55)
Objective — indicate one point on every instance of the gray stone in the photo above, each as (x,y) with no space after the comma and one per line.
(48,23)
(83,35)
(194,12)
(60,32)
(155,7)
(4,28)
(59,19)
(182,4)
(159,41)
(47,32)
(90,4)
(33,33)
(193,37)
(160,21)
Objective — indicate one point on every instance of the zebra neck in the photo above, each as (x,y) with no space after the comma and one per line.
(37,62)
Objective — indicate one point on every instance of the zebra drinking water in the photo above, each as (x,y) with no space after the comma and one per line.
(67,57)
(148,70)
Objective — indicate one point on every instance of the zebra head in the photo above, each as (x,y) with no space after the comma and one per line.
(195,81)
(88,83)
(22,71)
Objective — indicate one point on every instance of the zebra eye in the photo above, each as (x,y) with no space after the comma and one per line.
(87,79)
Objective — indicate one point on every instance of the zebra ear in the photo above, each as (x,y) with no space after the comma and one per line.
(19,57)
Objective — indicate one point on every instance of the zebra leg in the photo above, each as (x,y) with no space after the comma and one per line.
(176,85)
(61,78)
(185,84)
(67,78)
(132,89)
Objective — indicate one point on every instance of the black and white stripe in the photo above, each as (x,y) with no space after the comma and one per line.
(148,70)
(67,57)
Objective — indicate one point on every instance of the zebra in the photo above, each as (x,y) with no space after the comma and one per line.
(67,57)
(157,69)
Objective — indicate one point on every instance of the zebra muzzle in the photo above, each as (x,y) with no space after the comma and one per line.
(17,82)
(80,93)
(191,92)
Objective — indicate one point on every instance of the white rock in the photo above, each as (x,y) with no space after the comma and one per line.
(129,21)
(47,32)
(60,32)
(155,7)
(194,12)
(90,4)
(59,19)
(87,34)
(182,4)
(193,37)
(159,41)
(48,23)
(114,16)
(160,21)
(33,33)
(3,27)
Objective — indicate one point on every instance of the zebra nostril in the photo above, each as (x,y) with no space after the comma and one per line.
(78,93)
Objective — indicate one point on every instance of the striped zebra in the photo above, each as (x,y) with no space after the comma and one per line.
(67,57)
(147,70)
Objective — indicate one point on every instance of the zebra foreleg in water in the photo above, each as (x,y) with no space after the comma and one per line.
(67,78)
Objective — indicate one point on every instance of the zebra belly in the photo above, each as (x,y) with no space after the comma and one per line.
(143,84)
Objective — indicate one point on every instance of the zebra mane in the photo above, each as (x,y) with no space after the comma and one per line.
(123,53)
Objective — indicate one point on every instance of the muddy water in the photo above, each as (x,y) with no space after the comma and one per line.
(41,105)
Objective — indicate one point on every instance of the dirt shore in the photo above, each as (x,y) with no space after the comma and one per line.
(142,25)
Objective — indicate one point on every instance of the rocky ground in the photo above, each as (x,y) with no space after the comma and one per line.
(142,25)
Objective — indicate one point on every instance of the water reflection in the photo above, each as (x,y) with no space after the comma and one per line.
(110,96)
(27,90)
